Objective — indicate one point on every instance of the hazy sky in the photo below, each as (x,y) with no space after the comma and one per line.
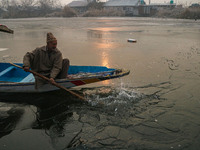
(184,2)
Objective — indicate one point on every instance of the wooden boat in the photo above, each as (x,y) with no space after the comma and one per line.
(13,79)
(4,28)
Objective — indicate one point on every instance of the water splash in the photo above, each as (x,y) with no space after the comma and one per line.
(112,96)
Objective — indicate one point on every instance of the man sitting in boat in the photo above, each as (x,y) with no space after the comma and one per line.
(47,60)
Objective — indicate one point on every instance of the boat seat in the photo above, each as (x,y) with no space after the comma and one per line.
(6,70)
(29,78)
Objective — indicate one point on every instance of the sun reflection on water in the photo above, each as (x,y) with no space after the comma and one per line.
(103,43)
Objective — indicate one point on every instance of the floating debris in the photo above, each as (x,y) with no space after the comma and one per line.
(132,40)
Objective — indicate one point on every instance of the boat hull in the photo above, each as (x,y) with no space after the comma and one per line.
(29,87)
(6,29)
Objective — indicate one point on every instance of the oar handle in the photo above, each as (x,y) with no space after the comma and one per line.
(53,83)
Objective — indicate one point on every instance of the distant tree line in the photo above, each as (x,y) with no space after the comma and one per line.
(180,13)
(53,8)
(28,8)
(45,8)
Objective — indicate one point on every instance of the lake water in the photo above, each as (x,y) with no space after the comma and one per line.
(155,107)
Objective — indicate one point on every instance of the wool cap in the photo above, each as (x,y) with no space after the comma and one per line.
(50,37)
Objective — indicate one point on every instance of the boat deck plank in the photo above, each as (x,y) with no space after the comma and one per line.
(6,71)
(29,78)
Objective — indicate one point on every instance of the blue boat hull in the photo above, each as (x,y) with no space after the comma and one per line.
(13,79)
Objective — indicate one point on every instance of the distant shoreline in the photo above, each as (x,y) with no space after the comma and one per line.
(176,13)
(156,17)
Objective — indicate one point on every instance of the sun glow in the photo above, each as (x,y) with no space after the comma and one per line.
(103,44)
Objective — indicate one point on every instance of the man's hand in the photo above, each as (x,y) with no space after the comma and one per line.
(26,69)
(52,81)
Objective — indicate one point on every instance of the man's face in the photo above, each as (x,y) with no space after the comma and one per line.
(52,45)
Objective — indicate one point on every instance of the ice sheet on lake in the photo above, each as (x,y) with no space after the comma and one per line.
(3,49)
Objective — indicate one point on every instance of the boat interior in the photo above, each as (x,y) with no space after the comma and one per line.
(9,73)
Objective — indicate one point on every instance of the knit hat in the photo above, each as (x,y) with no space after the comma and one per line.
(50,37)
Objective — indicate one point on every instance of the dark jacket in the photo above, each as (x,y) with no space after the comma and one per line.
(41,61)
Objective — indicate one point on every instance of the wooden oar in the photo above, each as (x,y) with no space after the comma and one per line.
(53,83)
